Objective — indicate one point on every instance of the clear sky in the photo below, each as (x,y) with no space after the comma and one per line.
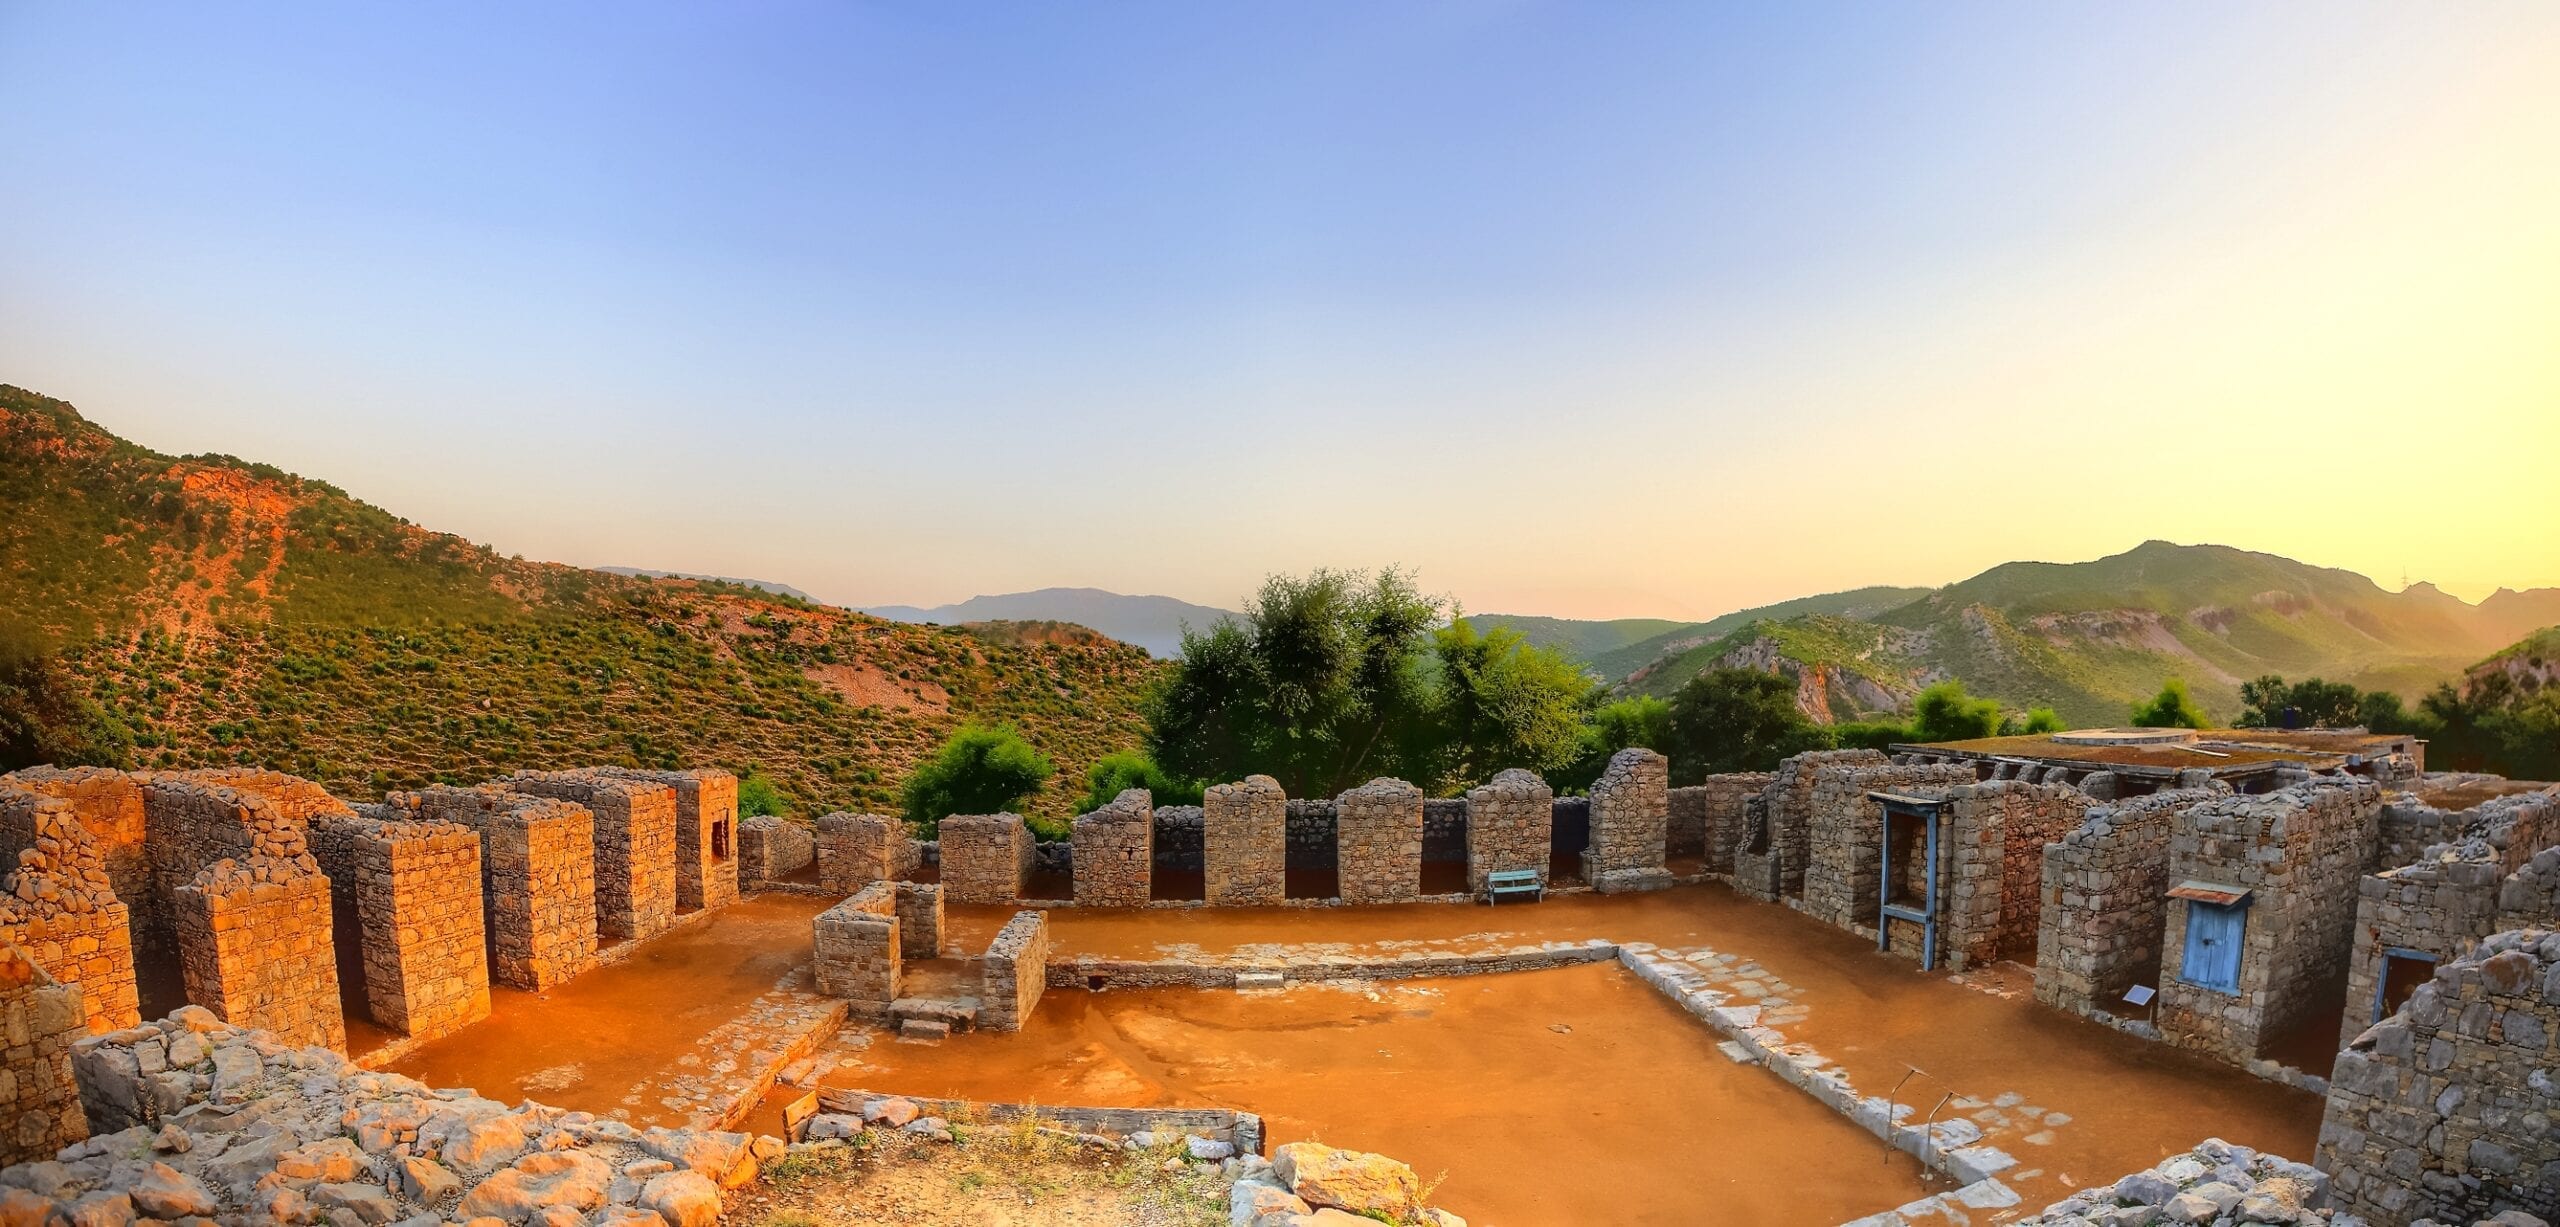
(1582,309)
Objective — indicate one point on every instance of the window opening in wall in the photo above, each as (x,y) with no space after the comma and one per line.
(720,839)
(2402,972)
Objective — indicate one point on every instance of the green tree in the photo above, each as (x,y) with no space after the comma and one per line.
(1497,702)
(1737,720)
(2044,720)
(2172,708)
(1944,712)
(1122,770)
(758,795)
(980,770)
(1638,720)
(2268,702)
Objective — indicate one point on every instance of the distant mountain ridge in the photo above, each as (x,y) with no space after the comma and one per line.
(1151,622)
(762,584)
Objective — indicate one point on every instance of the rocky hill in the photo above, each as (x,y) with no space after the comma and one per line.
(1155,623)
(2532,663)
(188,611)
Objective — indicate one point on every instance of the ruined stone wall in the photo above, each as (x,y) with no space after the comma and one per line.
(1314,842)
(1179,835)
(2300,851)
(1510,826)
(1995,863)
(985,857)
(247,905)
(2444,1110)
(1630,823)
(2103,902)
(1770,858)
(1714,807)
(58,905)
(635,824)
(537,870)
(1014,972)
(411,890)
(1687,835)
(1844,835)
(1115,852)
(856,850)
(772,848)
(858,950)
(919,920)
(706,833)
(2455,894)
(40,1110)
(1444,830)
(109,805)
(1244,848)
(1378,831)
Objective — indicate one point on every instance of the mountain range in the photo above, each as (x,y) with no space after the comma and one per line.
(1155,623)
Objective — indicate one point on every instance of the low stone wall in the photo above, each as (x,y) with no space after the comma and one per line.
(1716,804)
(771,848)
(634,830)
(1630,823)
(1510,826)
(986,858)
(2195,1186)
(59,906)
(40,1110)
(1090,972)
(706,833)
(411,892)
(537,878)
(919,920)
(1242,1130)
(1378,828)
(1014,972)
(108,805)
(1771,855)
(856,850)
(1312,835)
(1444,831)
(2104,901)
(1115,852)
(1178,839)
(1244,848)
(2443,1109)
(858,951)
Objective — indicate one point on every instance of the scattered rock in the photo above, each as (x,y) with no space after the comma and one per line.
(1352,1180)
(683,1199)
(165,1192)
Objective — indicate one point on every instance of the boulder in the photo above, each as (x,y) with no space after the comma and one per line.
(537,1181)
(1352,1180)
(22,1208)
(368,1203)
(895,1113)
(721,1156)
(104,1208)
(683,1199)
(165,1192)
(1252,1204)
(426,1181)
(628,1216)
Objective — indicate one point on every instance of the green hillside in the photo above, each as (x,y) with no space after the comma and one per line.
(1578,639)
(1856,603)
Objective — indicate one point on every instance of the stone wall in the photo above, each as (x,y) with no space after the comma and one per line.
(985,857)
(1115,852)
(2300,852)
(1706,818)
(2455,894)
(856,850)
(1244,849)
(40,1111)
(1630,823)
(635,845)
(1444,830)
(1770,857)
(1314,842)
(858,950)
(1996,866)
(1178,839)
(109,805)
(1014,972)
(2445,1109)
(2104,903)
(58,905)
(1510,826)
(706,833)
(919,920)
(772,848)
(410,892)
(537,869)
(1844,835)
(1378,836)
(247,904)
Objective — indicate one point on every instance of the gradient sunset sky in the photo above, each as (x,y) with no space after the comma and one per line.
(1579,309)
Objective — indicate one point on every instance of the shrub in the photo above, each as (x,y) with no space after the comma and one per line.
(1126,769)
(2172,708)
(979,770)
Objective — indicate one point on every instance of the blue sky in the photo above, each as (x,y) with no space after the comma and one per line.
(1579,309)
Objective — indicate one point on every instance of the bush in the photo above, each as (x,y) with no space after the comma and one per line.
(1126,769)
(759,796)
(979,770)
(2172,708)
(1944,712)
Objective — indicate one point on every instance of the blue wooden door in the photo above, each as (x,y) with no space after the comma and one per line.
(2212,958)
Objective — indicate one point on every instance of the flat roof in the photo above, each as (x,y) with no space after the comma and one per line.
(2216,751)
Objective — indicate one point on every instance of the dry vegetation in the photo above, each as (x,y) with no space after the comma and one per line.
(1017,1174)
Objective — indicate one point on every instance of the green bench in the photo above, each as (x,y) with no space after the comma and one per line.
(1510,882)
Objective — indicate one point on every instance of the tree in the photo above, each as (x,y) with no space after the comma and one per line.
(2267,702)
(980,770)
(758,795)
(1499,702)
(2044,720)
(1638,720)
(2172,708)
(1122,770)
(1944,712)
(1737,720)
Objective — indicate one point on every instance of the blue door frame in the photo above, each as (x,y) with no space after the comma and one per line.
(1886,911)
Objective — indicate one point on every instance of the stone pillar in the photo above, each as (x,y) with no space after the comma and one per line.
(1116,852)
(60,906)
(635,845)
(986,858)
(1378,840)
(857,954)
(254,941)
(1510,826)
(39,1100)
(537,869)
(919,920)
(1630,823)
(771,849)
(413,892)
(706,834)
(1244,843)
(1015,971)
(856,850)
(108,805)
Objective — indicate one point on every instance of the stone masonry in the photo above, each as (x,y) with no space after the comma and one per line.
(1844,835)
(1378,842)
(1116,852)
(858,950)
(2446,1109)
(919,920)
(1996,864)
(1014,972)
(109,806)
(2104,901)
(1769,859)
(1244,848)
(771,848)
(537,866)
(635,845)
(706,834)
(412,891)
(40,1110)
(2300,852)
(986,858)
(1715,806)
(856,850)
(2460,891)
(1510,826)
(1630,823)
(60,906)
(247,904)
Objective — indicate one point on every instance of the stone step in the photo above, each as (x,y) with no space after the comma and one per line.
(926,1029)
(955,1013)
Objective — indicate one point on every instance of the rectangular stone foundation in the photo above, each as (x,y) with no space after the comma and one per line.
(40,1109)
(857,954)
(706,834)
(1378,842)
(413,892)
(1244,843)
(1630,823)
(1015,972)
(772,848)
(255,943)
(856,850)
(537,869)
(986,858)
(1115,852)
(636,858)
(1510,826)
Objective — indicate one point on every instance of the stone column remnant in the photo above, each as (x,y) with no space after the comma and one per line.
(919,920)
(1630,823)
(537,868)
(1378,838)
(59,906)
(1116,852)
(772,848)
(857,955)
(251,911)
(40,1109)
(1015,971)
(1244,843)
(706,834)
(856,850)
(412,889)
(986,858)
(1510,826)
(636,857)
